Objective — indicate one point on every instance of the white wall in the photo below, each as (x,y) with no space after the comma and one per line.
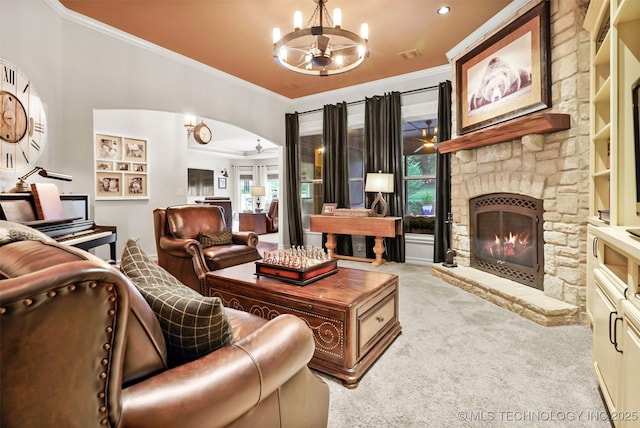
(78,69)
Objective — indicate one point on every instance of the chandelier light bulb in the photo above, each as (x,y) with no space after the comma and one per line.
(282,52)
(364,31)
(337,18)
(297,20)
(276,35)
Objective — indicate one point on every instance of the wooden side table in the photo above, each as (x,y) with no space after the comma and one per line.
(253,222)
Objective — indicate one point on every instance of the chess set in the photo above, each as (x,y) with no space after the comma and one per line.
(297,265)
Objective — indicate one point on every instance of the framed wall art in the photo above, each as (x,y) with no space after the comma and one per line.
(120,167)
(222,182)
(506,76)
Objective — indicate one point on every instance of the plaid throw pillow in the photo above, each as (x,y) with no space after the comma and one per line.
(12,232)
(193,325)
(219,238)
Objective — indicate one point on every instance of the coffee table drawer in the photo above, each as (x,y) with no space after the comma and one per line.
(373,322)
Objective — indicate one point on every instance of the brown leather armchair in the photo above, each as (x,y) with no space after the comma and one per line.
(180,252)
(80,347)
(272,217)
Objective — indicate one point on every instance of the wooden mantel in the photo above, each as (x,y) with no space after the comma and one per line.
(540,123)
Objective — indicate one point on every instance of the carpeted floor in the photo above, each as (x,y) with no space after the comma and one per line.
(464,362)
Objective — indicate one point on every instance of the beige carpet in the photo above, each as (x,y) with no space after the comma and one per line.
(464,362)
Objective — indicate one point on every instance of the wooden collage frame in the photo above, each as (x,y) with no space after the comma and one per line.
(121,168)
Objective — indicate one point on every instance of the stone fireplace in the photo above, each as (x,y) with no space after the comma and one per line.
(552,168)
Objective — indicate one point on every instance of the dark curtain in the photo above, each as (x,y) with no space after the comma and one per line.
(383,152)
(443,175)
(335,171)
(292,160)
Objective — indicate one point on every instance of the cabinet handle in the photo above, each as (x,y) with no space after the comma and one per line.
(613,331)
(594,248)
(380,318)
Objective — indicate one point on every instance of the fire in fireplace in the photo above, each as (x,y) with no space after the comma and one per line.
(507,237)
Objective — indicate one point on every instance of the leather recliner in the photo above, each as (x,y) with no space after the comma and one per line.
(179,251)
(272,217)
(80,347)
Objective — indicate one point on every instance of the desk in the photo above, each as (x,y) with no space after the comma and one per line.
(253,222)
(378,227)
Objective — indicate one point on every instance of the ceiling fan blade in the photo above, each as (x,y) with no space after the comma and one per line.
(345,50)
(323,42)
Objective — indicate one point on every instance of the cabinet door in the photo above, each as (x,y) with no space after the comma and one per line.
(606,359)
(592,263)
(630,387)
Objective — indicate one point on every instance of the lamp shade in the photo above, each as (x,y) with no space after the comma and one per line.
(379,182)
(258,191)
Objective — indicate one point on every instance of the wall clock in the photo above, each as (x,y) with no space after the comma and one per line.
(202,133)
(22,120)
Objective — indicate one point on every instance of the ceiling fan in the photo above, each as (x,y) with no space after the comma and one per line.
(429,137)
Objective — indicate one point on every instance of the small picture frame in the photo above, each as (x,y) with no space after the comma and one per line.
(222,182)
(328,209)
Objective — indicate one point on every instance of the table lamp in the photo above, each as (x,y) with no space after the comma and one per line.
(258,191)
(382,183)
(22,186)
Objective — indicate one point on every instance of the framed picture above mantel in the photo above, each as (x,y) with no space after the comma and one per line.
(508,75)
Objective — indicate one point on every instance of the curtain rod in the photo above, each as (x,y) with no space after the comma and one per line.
(428,88)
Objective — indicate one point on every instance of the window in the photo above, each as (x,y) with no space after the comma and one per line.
(273,186)
(356,167)
(310,176)
(246,202)
(419,155)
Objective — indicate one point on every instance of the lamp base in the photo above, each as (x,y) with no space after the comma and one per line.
(20,187)
(383,205)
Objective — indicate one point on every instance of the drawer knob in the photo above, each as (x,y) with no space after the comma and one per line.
(380,318)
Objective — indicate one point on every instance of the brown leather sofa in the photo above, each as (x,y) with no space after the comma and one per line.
(272,217)
(179,251)
(80,347)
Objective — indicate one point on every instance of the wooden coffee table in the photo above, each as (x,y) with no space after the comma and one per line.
(353,314)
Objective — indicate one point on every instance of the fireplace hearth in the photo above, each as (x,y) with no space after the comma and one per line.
(507,237)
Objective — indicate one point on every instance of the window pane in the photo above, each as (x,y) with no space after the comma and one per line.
(245,192)
(419,139)
(310,176)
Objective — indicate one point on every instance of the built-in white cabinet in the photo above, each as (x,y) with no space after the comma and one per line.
(614,27)
(613,301)
(630,387)
(613,261)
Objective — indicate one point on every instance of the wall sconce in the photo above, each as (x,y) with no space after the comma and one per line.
(22,187)
(382,183)
(190,124)
(258,191)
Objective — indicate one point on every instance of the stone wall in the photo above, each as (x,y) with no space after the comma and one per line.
(552,167)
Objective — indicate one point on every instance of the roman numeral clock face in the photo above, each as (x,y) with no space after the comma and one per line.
(22,120)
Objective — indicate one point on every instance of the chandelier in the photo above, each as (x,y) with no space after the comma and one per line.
(322,48)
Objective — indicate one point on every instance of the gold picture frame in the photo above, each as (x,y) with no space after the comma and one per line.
(328,209)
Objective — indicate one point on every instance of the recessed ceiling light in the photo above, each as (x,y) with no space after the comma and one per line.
(444,10)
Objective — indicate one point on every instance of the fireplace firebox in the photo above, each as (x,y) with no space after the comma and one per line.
(507,237)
